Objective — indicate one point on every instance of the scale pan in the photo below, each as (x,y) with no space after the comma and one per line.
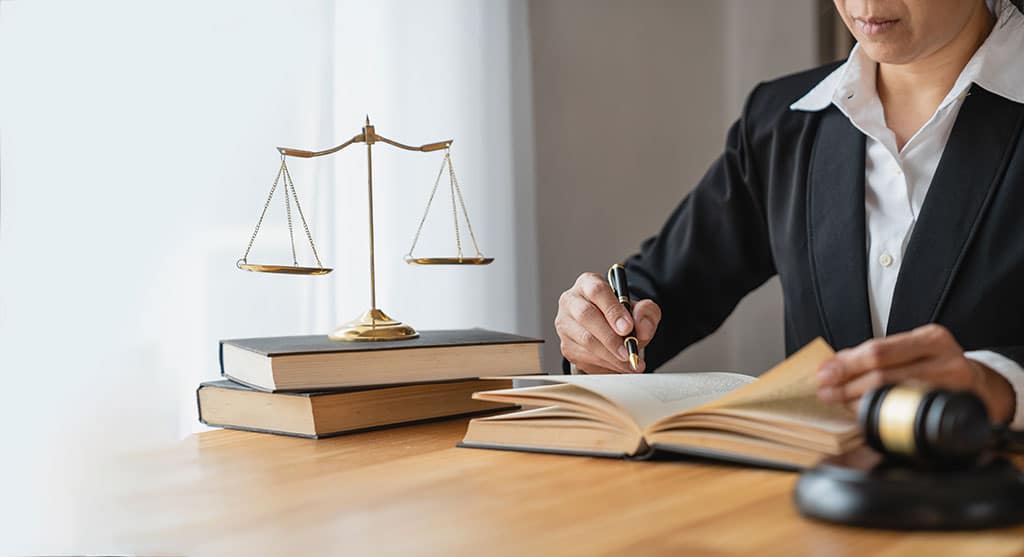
(284,269)
(449,260)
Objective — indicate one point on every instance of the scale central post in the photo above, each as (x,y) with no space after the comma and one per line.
(370,140)
(373,324)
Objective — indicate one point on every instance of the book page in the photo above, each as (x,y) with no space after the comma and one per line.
(788,392)
(793,378)
(648,397)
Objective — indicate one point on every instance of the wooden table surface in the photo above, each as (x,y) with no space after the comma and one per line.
(409,491)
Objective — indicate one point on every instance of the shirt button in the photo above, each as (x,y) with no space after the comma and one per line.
(885,260)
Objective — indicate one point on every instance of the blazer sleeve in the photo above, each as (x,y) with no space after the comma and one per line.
(713,250)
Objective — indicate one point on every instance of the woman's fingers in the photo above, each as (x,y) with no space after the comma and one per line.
(585,359)
(950,373)
(588,327)
(883,353)
(646,315)
(860,385)
(581,346)
(595,290)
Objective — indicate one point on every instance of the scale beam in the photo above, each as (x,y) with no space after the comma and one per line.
(369,137)
(302,153)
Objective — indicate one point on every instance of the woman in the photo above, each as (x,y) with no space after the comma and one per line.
(887,194)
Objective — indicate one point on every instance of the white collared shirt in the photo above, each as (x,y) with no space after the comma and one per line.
(897,181)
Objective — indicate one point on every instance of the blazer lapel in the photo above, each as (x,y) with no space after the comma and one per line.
(973,163)
(835,230)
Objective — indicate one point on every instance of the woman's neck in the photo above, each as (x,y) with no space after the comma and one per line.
(910,93)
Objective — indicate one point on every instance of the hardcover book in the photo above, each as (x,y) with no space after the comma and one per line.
(314,362)
(323,414)
(775,420)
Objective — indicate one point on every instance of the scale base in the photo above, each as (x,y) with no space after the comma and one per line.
(871,492)
(373,325)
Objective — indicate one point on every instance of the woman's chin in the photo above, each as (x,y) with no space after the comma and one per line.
(889,52)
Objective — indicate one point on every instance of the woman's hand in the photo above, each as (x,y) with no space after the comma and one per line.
(591,323)
(929,354)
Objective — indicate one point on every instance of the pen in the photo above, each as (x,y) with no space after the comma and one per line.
(617,280)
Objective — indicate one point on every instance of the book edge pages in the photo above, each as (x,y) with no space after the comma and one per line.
(536,423)
(550,396)
(310,372)
(247,368)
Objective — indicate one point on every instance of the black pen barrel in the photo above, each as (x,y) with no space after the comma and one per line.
(619,284)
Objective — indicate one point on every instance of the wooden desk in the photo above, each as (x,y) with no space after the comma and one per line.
(408,491)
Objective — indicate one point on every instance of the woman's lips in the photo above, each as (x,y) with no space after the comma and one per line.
(875,26)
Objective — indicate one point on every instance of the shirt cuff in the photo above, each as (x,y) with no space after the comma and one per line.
(1012,372)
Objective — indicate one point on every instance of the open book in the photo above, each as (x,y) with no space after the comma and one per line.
(775,420)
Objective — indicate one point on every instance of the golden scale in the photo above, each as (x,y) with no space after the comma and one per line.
(373,324)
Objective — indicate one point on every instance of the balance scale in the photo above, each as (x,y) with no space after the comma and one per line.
(373,324)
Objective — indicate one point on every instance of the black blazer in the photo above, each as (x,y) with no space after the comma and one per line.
(787,198)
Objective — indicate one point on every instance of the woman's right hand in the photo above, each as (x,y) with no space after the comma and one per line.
(591,324)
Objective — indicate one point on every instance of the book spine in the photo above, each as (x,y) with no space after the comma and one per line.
(329,434)
(199,406)
(220,356)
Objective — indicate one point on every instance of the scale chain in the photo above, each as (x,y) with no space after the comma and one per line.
(462,203)
(456,191)
(282,170)
(423,219)
(455,212)
(302,217)
(291,232)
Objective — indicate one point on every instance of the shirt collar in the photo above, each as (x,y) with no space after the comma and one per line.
(995,66)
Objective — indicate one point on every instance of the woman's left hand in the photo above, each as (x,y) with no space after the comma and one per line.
(929,354)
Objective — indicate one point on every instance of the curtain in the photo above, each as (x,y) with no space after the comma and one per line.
(136,152)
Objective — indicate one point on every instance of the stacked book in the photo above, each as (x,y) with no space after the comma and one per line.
(311,386)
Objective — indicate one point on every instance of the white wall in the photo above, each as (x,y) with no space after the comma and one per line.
(136,149)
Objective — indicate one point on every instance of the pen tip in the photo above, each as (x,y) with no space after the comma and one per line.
(634,361)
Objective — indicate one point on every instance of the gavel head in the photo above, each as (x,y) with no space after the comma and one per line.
(925,425)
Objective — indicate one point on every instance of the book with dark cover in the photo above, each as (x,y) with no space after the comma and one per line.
(325,414)
(314,362)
